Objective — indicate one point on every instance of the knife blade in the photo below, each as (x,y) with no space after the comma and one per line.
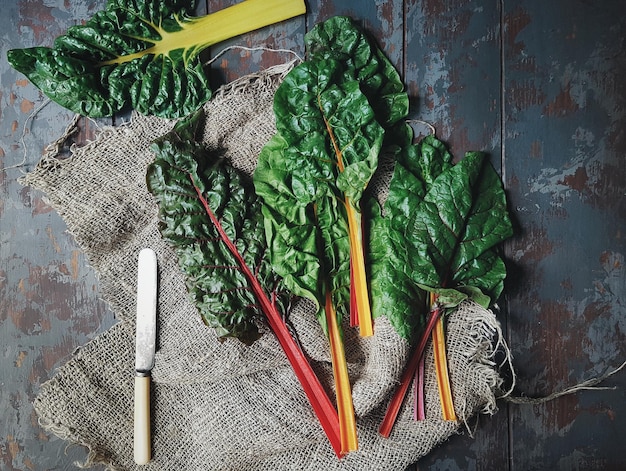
(145,347)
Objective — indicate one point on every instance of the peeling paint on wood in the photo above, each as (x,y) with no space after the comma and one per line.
(538,85)
(49,301)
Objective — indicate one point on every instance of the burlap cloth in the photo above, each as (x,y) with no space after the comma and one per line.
(224,406)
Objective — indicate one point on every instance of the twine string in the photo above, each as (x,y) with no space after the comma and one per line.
(589,384)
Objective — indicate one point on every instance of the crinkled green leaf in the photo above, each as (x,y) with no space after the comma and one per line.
(394,294)
(140,54)
(416,168)
(193,185)
(331,114)
(85,71)
(332,133)
(426,160)
(308,242)
(440,231)
(341,38)
(461,218)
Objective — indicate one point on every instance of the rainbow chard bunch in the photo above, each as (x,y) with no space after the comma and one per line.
(436,247)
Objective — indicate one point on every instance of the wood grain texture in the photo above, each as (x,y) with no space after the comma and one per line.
(564,127)
(538,85)
(49,299)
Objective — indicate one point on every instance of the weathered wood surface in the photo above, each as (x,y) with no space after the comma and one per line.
(538,85)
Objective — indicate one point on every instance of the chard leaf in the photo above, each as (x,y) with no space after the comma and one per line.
(95,69)
(141,54)
(417,166)
(441,226)
(394,294)
(426,160)
(454,230)
(212,218)
(308,243)
(340,37)
(331,131)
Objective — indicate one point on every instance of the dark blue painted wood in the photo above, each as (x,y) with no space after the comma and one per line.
(49,299)
(564,162)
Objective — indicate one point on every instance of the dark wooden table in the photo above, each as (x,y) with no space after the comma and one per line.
(540,86)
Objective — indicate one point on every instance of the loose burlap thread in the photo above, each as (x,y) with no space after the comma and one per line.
(224,405)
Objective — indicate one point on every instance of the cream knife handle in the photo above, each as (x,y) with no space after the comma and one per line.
(142,448)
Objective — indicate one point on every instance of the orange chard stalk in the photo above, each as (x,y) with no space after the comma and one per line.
(359,290)
(360,313)
(441,367)
(345,408)
(354,315)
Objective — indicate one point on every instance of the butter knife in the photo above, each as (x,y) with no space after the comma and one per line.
(144,352)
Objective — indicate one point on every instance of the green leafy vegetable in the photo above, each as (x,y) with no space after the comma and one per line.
(211,217)
(395,293)
(142,54)
(448,220)
(322,127)
(441,226)
(462,217)
(331,115)
(341,38)
(309,248)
